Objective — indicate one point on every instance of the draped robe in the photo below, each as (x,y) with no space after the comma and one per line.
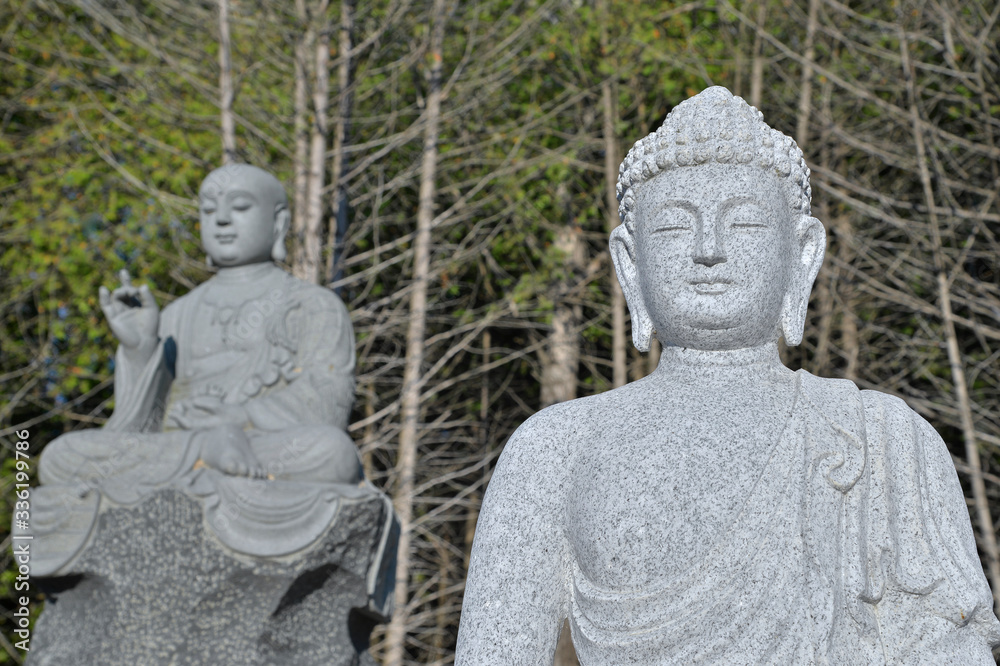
(854,546)
(254,336)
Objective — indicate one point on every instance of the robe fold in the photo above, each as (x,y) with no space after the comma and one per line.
(854,547)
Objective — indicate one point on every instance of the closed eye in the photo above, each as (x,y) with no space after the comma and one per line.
(747,215)
(674,218)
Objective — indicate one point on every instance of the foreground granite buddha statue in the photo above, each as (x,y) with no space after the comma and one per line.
(724,509)
(221,515)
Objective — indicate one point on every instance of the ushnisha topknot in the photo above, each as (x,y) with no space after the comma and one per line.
(714,125)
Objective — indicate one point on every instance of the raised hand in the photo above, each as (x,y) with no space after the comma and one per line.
(132,314)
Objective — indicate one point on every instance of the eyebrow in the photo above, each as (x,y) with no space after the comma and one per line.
(240,193)
(681,203)
(736,201)
(678,203)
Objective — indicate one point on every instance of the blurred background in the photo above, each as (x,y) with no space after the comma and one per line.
(452,166)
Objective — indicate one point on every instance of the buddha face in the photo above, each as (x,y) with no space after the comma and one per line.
(243,215)
(718,260)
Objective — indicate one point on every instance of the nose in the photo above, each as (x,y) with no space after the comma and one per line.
(223,216)
(709,249)
(709,259)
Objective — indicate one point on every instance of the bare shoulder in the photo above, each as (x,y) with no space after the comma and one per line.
(545,445)
(538,445)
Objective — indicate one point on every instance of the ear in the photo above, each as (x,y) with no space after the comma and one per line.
(624,257)
(811,247)
(282,218)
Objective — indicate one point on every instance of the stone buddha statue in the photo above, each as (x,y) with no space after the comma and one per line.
(724,509)
(235,398)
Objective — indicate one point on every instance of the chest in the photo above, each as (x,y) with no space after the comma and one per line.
(645,508)
(222,332)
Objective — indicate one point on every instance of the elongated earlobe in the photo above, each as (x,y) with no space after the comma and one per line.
(793,320)
(624,258)
(281,220)
(642,330)
(812,246)
(278,252)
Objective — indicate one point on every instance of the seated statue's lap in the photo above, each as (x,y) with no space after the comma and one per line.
(317,453)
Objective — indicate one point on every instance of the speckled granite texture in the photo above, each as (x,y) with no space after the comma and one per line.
(155,588)
(724,509)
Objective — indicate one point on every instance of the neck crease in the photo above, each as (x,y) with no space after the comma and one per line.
(246,273)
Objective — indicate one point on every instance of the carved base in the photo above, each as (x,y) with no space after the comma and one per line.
(155,587)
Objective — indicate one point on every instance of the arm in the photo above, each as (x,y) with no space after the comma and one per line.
(142,378)
(937,607)
(517,591)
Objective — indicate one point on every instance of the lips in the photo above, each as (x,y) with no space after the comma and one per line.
(225,239)
(712,286)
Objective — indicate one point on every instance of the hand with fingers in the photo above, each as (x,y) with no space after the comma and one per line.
(132,314)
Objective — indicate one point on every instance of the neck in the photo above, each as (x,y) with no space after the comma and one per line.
(730,366)
(244,273)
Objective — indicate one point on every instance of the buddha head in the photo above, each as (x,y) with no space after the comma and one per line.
(244,216)
(717,249)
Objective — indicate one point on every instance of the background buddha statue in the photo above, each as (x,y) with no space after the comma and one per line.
(724,509)
(247,364)
(237,398)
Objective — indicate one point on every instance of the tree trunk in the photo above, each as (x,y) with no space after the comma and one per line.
(757,63)
(561,361)
(339,202)
(619,344)
(301,101)
(309,267)
(310,139)
(560,358)
(226,87)
(805,91)
(410,398)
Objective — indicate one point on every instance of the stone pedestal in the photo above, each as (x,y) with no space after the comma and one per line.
(154,586)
